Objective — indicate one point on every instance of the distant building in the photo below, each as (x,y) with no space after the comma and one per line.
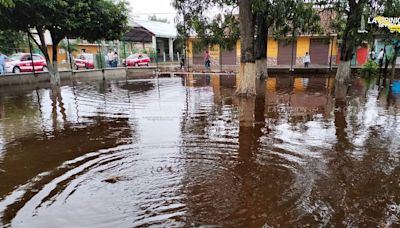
(321,47)
(152,35)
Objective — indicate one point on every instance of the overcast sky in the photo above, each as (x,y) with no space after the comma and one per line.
(145,8)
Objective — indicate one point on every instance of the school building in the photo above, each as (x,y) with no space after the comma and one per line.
(322,50)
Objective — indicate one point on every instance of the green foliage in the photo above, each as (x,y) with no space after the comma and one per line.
(88,19)
(73,46)
(12,41)
(6,3)
(370,68)
(300,18)
(222,29)
(282,17)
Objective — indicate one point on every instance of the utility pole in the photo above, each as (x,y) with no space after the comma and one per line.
(69,54)
(30,51)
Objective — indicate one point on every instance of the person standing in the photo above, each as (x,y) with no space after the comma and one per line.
(306,60)
(372,54)
(2,63)
(380,58)
(207,61)
(110,57)
(115,59)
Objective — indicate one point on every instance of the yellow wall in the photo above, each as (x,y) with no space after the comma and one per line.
(303,46)
(190,48)
(62,54)
(60,57)
(214,52)
(272,48)
(334,51)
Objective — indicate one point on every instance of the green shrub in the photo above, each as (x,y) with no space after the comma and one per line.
(370,68)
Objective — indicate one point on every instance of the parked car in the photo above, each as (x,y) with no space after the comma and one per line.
(85,61)
(22,62)
(137,60)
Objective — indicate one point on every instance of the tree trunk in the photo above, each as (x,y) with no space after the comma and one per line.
(247,73)
(53,70)
(346,49)
(346,54)
(52,66)
(343,71)
(261,46)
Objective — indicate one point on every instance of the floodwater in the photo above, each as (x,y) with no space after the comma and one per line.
(186,152)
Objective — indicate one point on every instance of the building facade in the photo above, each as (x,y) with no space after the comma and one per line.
(322,49)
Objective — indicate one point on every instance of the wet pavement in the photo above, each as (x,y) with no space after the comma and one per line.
(186,152)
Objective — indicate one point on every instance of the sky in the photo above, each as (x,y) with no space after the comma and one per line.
(161,8)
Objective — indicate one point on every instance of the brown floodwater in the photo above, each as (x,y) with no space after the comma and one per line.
(186,152)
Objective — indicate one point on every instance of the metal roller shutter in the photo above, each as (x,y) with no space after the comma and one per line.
(228,57)
(285,53)
(319,51)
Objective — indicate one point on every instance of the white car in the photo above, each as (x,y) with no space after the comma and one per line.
(22,62)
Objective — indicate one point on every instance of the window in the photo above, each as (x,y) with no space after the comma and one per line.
(14,57)
(37,58)
(26,58)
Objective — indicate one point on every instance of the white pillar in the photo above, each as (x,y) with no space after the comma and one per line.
(171,49)
(164,57)
(154,43)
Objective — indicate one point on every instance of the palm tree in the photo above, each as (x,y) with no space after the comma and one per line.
(73,47)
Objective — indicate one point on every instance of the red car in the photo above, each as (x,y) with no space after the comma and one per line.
(22,62)
(137,60)
(85,61)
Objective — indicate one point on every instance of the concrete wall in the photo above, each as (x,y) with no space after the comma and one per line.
(82,75)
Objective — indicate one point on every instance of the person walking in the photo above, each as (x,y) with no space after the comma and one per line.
(207,61)
(2,63)
(306,60)
(182,62)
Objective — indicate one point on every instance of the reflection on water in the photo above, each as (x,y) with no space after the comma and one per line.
(187,152)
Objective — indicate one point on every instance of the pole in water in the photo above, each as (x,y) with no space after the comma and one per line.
(292,55)
(69,54)
(30,51)
(123,43)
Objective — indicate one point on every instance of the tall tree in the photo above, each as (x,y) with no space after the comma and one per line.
(256,17)
(353,11)
(87,19)
(247,71)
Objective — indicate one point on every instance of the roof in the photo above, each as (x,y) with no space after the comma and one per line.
(159,29)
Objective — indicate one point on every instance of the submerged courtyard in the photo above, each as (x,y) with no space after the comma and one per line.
(185,151)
